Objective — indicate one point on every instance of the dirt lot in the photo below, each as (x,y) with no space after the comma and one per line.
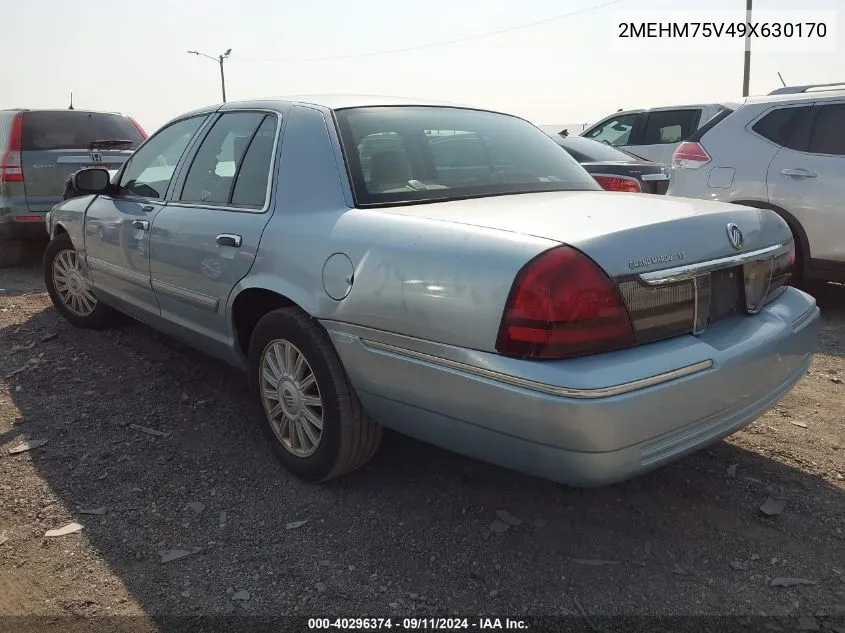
(410,534)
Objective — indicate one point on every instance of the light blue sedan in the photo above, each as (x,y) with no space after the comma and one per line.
(482,294)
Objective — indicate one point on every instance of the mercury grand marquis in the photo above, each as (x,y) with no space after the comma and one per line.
(443,271)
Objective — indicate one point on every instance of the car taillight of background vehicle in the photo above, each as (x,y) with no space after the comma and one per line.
(562,304)
(690,155)
(139,128)
(11,169)
(619,183)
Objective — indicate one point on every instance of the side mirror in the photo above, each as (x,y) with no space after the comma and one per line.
(91,180)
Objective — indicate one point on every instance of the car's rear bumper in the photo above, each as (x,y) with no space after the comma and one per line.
(588,421)
(21,224)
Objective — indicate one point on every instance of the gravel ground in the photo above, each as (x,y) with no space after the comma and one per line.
(152,437)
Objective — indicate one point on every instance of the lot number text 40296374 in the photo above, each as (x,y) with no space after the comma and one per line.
(417,624)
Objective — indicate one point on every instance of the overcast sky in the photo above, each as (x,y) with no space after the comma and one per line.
(131,56)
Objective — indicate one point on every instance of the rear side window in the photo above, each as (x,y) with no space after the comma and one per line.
(828,135)
(75,129)
(670,126)
(223,159)
(254,172)
(779,125)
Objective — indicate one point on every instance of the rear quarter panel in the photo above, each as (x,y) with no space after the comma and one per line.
(418,277)
(739,162)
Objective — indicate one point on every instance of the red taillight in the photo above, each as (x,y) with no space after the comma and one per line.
(139,128)
(561,305)
(28,218)
(619,183)
(11,169)
(690,156)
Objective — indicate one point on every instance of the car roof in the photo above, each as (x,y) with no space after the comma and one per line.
(340,101)
(660,108)
(796,97)
(329,102)
(60,110)
(335,102)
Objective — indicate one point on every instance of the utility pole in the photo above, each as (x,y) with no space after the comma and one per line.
(746,75)
(219,59)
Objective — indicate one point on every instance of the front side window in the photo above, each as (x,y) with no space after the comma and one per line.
(149,170)
(233,161)
(409,153)
(828,135)
(615,131)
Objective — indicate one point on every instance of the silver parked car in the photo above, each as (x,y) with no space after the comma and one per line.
(497,303)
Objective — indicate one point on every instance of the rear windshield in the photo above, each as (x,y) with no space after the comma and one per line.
(74,129)
(427,154)
(585,150)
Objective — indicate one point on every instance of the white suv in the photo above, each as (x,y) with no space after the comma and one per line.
(653,133)
(784,152)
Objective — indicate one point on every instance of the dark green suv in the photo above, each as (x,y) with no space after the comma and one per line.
(39,149)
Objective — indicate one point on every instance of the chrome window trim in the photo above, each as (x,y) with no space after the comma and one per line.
(175,202)
(689,271)
(533,385)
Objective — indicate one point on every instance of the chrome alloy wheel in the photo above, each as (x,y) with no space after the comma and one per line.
(291,398)
(72,284)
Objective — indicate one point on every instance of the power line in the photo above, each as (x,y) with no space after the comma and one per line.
(456,40)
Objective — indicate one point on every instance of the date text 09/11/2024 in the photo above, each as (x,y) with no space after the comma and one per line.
(412,624)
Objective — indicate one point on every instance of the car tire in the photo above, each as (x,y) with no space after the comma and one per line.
(59,255)
(348,438)
(11,253)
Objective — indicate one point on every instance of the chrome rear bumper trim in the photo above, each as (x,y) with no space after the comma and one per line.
(533,385)
(683,273)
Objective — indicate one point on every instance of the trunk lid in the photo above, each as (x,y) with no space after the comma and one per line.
(679,264)
(623,233)
(56,143)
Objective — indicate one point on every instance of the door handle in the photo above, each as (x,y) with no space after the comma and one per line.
(799,173)
(227,239)
(147,208)
(143,225)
